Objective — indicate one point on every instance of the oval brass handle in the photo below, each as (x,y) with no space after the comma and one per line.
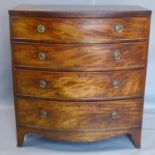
(42,83)
(42,55)
(43,113)
(119,28)
(41,28)
(114,115)
(116,83)
(117,55)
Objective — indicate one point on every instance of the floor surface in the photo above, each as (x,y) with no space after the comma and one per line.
(36,145)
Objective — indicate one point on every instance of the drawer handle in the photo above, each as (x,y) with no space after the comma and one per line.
(116,83)
(114,115)
(43,114)
(117,55)
(42,55)
(119,28)
(41,28)
(42,84)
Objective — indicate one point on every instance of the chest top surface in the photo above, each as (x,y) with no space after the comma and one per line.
(79,10)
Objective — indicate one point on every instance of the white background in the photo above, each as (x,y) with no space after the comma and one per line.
(5,54)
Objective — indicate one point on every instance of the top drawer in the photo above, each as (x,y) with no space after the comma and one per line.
(80,30)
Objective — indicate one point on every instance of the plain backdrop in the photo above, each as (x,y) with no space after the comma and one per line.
(6,98)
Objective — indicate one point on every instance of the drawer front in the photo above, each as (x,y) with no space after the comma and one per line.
(80,57)
(78,30)
(76,85)
(76,116)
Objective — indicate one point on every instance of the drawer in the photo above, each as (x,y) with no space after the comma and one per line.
(80,30)
(79,116)
(80,56)
(79,85)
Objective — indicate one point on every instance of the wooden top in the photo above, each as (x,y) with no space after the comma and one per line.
(79,11)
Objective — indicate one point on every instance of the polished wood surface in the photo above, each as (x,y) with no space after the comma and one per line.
(94,57)
(79,11)
(79,116)
(79,84)
(80,30)
(79,71)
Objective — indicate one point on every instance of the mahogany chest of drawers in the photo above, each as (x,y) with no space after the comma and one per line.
(79,71)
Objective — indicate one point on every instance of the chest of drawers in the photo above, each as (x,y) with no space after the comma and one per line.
(79,71)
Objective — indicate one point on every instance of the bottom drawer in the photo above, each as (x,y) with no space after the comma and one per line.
(79,116)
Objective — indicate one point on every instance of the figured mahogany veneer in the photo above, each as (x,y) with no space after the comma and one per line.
(81,30)
(79,71)
(80,85)
(81,57)
(79,116)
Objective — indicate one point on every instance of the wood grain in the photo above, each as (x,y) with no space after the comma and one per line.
(79,116)
(79,85)
(79,57)
(83,30)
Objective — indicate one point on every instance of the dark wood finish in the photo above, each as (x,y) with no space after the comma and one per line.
(79,11)
(89,95)
(95,57)
(80,84)
(80,30)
